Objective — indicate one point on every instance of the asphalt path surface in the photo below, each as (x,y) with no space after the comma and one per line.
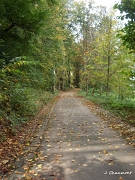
(78,145)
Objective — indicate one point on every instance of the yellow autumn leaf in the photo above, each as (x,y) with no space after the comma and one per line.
(105,152)
(84,165)
(40,165)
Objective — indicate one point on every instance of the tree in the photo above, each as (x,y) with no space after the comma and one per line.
(83,20)
(127,34)
(107,38)
(20,21)
(33,54)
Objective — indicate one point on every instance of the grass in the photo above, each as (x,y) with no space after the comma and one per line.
(125,108)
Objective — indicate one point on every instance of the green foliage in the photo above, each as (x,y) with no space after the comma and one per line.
(127,34)
(127,7)
(124,107)
(18,104)
(20,21)
(34,45)
(113,101)
(19,80)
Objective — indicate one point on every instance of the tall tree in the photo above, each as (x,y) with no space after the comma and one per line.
(83,21)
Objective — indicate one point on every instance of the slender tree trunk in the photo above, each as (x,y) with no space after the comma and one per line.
(59,85)
(108,59)
(63,85)
(93,91)
(69,78)
(108,73)
(101,91)
(87,86)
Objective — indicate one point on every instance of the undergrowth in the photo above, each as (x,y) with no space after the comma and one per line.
(18,106)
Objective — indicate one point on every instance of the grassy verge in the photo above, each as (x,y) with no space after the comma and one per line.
(125,108)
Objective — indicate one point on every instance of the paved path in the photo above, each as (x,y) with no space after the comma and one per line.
(78,145)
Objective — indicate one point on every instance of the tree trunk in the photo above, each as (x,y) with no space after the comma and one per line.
(101,91)
(93,91)
(59,85)
(87,86)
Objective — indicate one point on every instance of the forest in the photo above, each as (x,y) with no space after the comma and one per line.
(52,45)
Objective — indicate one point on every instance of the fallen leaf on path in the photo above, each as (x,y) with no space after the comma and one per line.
(25,168)
(35,175)
(121,178)
(58,155)
(49,145)
(105,152)
(40,165)
(40,138)
(111,162)
(84,165)
(17,172)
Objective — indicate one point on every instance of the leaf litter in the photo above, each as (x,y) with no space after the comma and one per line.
(114,122)
(19,144)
